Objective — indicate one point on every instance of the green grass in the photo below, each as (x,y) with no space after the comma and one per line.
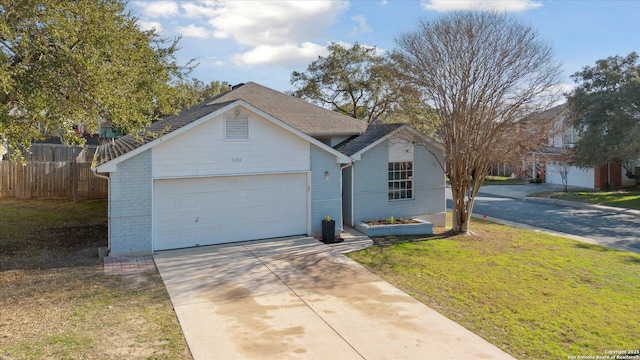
(629,199)
(502,180)
(534,295)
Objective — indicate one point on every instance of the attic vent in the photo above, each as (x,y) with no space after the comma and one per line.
(236,128)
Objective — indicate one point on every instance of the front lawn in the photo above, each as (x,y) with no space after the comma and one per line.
(629,199)
(502,180)
(56,302)
(534,295)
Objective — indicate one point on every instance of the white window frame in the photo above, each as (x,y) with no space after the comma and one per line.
(401,180)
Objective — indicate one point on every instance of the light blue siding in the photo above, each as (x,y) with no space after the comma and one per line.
(371,196)
(131,194)
(347,209)
(326,197)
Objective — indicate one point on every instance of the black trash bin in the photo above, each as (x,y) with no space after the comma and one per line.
(328,231)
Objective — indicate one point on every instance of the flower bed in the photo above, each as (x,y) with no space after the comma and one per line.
(416,227)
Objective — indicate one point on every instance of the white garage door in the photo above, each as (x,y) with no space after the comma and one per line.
(215,210)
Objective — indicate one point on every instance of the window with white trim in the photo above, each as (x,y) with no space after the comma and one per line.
(236,128)
(570,136)
(401,180)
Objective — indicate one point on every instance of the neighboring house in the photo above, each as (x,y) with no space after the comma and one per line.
(255,163)
(554,160)
(4,148)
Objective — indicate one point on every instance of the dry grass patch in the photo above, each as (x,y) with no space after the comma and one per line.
(534,295)
(56,301)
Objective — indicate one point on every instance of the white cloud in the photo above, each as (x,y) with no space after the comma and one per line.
(149,25)
(272,23)
(194,31)
(269,32)
(158,9)
(206,9)
(480,5)
(361,25)
(273,32)
(347,45)
(564,89)
(287,55)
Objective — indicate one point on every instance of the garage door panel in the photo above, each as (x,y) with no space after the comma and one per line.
(274,214)
(203,211)
(163,202)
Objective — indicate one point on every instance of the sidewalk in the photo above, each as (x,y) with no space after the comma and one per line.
(522,192)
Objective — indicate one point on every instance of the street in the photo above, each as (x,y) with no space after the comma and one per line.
(611,228)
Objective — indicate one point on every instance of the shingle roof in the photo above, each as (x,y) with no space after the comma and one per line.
(308,118)
(358,142)
(301,115)
(111,150)
(548,114)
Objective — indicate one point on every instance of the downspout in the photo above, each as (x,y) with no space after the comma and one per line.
(108,206)
(351,197)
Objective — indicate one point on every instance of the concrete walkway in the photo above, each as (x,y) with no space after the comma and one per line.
(299,298)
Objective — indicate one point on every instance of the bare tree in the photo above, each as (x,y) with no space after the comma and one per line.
(481,72)
(563,170)
(563,160)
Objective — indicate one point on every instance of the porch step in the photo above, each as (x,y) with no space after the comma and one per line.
(353,241)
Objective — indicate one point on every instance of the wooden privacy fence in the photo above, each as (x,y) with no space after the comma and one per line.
(69,180)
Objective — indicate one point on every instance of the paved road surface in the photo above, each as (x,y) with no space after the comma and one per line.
(606,227)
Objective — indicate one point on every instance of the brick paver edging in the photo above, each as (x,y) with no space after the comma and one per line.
(125,265)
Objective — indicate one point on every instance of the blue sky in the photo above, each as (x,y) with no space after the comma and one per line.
(264,41)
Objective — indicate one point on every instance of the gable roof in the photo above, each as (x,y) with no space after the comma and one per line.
(297,113)
(118,147)
(311,119)
(546,115)
(374,132)
(355,146)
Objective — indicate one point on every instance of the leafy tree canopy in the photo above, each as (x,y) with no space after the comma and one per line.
(79,63)
(193,91)
(354,81)
(606,108)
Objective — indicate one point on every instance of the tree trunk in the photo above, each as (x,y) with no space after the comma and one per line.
(461,214)
(464,191)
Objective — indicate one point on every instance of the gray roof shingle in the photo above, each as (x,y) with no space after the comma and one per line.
(308,118)
(549,114)
(358,142)
(301,115)
(111,150)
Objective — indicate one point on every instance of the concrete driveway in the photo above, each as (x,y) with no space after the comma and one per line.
(296,298)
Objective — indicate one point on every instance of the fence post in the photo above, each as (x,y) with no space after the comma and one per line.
(73,178)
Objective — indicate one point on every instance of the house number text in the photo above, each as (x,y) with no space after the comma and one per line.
(236,160)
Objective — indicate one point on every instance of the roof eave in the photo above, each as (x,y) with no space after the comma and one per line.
(340,157)
(111,165)
(358,155)
(330,134)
